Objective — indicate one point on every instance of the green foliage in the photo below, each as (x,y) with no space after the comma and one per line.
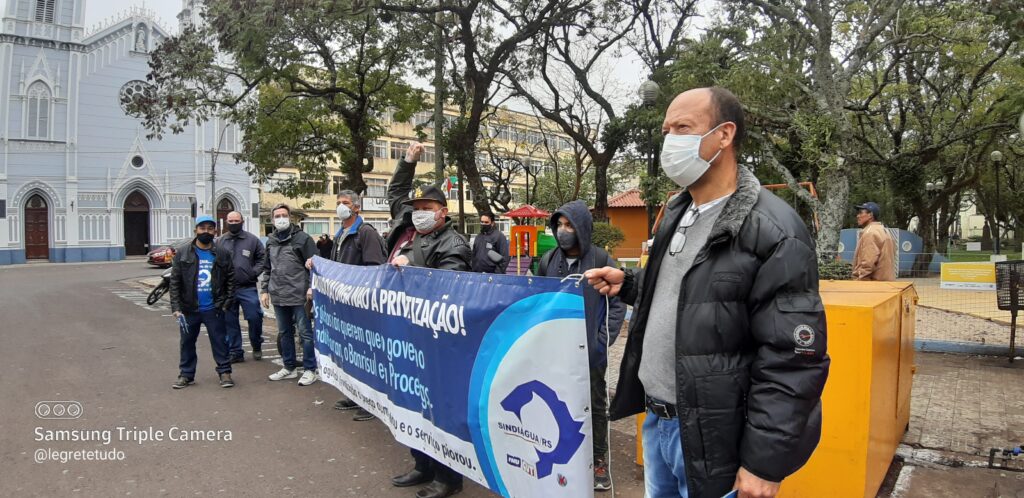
(607,236)
(307,82)
(835,269)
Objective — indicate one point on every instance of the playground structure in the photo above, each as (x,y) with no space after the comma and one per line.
(528,241)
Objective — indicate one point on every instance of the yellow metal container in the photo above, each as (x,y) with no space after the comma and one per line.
(866,403)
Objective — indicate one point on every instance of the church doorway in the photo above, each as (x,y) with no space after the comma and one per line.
(136,225)
(224,207)
(37,228)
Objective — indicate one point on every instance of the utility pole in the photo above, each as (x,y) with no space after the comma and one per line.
(214,153)
(438,98)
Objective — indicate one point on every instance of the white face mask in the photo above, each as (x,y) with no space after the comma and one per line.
(282,223)
(424,221)
(680,158)
(344,212)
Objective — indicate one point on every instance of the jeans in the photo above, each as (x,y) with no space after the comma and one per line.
(426,464)
(214,321)
(247,299)
(599,408)
(290,318)
(664,469)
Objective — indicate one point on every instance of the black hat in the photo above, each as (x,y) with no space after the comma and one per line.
(872,208)
(427,193)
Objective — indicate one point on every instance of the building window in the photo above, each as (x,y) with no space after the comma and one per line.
(380,149)
(138,162)
(337,184)
(397,150)
(134,92)
(376,187)
(44,10)
(38,110)
(428,155)
(315,227)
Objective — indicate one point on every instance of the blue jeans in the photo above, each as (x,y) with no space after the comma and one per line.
(290,318)
(664,470)
(247,299)
(214,321)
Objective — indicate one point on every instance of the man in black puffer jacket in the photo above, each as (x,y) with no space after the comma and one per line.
(573,226)
(726,347)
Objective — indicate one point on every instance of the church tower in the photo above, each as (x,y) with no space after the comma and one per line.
(57,20)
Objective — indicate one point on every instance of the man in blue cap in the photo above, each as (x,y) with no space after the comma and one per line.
(202,288)
(875,256)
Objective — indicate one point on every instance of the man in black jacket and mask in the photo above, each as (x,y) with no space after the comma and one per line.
(249,257)
(424,237)
(727,347)
(202,286)
(490,249)
(573,226)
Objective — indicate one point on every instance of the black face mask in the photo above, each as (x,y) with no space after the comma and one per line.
(486,228)
(204,238)
(234,227)
(566,240)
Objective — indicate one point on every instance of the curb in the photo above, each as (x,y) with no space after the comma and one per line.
(933,346)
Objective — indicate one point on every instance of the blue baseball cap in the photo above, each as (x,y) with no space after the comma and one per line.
(872,208)
(205,219)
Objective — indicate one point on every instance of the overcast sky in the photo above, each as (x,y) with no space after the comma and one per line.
(628,72)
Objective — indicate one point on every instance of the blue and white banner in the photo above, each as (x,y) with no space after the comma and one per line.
(486,373)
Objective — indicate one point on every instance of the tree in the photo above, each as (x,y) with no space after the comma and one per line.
(343,61)
(573,88)
(495,38)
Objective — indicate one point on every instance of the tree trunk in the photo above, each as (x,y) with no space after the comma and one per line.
(601,163)
(835,181)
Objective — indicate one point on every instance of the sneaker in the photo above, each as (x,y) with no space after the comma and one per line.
(225,380)
(237,359)
(283,374)
(345,404)
(308,378)
(602,478)
(182,382)
(257,355)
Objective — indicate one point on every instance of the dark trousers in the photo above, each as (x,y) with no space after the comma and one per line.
(425,463)
(247,299)
(599,405)
(214,322)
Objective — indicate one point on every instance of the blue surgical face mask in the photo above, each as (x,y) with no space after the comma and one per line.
(680,158)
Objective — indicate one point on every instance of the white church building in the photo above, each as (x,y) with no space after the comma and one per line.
(79,181)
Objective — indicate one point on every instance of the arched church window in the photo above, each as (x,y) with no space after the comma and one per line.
(38,110)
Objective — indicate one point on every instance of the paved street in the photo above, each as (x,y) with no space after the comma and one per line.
(75,332)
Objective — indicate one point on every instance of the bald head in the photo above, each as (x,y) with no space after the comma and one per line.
(698,111)
(234,217)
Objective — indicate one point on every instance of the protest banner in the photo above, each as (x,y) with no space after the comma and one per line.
(486,373)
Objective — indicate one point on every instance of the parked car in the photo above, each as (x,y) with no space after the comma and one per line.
(161,256)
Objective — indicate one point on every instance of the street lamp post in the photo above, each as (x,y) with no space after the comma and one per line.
(997,159)
(934,189)
(648,92)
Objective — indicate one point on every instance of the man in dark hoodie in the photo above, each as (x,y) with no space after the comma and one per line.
(573,225)
(359,244)
(424,237)
(202,287)
(490,249)
(285,282)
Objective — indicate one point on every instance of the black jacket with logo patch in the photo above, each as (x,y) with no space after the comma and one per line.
(442,249)
(751,357)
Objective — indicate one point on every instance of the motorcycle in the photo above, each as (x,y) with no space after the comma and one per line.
(160,290)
